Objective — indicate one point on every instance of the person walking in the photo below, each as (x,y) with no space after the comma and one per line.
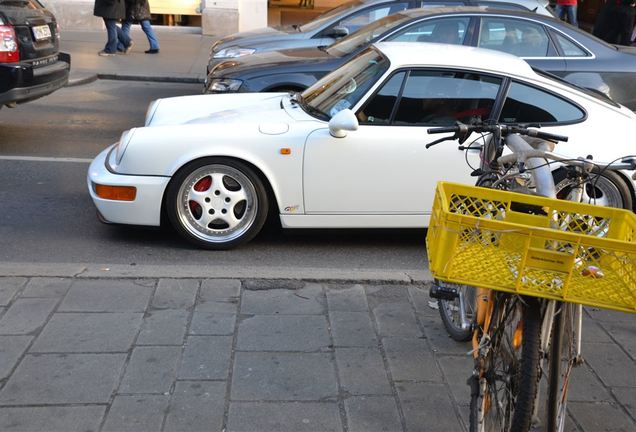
(615,22)
(567,9)
(139,11)
(112,11)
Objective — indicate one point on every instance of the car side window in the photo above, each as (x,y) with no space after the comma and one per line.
(355,21)
(380,106)
(444,97)
(518,37)
(569,48)
(526,104)
(447,30)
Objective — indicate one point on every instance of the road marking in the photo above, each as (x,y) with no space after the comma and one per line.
(46,159)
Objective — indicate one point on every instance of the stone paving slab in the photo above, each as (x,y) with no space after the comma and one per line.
(180,354)
(52,419)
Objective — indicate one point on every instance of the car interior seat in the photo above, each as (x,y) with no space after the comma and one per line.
(446,32)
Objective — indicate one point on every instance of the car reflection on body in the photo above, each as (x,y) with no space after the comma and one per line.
(349,152)
(544,42)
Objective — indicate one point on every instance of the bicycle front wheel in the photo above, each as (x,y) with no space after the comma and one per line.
(562,358)
(458,314)
(505,380)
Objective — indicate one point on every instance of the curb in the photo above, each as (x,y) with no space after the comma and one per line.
(169,79)
(119,77)
(123,271)
(81,81)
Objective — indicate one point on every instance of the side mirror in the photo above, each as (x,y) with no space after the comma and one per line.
(339,32)
(342,122)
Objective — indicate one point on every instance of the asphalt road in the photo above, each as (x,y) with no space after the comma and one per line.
(47,216)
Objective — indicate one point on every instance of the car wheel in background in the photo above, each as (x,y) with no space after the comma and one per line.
(217,203)
(607,189)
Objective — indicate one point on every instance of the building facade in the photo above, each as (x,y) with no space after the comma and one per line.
(215,17)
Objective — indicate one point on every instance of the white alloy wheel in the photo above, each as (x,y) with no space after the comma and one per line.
(217,204)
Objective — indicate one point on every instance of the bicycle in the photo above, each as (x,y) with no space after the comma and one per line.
(537,251)
(455,302)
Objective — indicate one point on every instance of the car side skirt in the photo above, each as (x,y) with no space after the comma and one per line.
(355,221)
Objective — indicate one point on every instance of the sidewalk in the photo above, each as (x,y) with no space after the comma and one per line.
(182,58)
(121,354)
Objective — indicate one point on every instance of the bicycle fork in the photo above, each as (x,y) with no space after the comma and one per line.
(546,333)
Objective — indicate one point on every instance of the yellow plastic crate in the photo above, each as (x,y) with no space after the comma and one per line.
(533,246)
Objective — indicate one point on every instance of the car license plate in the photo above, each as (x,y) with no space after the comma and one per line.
(41,32)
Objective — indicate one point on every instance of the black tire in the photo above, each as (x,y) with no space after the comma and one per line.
(561,360)
(504,383)
(607,189)
(458,325)
(221,214)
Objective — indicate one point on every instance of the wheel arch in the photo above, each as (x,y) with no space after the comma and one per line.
(278,87)
(273,197)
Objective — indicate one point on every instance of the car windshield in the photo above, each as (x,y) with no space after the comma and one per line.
(344,87)
(597,94)
(365,35)
(31,4)
(327,16)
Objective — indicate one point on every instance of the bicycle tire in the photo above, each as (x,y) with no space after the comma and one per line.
(450,313)
(518,379)
(560,357)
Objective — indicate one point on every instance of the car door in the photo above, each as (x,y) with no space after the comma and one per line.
(523,38)
(384,167)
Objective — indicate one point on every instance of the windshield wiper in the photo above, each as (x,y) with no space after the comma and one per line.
(309,109)
(296,98)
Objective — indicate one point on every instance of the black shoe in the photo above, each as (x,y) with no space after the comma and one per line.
(152,51)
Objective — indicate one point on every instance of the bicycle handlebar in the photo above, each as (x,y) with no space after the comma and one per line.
(462,131)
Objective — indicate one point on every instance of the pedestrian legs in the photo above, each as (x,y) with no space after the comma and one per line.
(112,34)
(125,32)
(150,34)
(567,11)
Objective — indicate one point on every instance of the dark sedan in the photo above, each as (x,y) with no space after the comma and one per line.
(546,43)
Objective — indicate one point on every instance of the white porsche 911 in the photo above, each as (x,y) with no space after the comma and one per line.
(346,153)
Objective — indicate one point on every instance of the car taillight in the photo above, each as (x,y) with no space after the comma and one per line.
(9,52)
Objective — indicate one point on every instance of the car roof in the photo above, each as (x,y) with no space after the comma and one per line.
(454,56)
(490,9)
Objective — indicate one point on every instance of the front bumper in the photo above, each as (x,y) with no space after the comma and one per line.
(20,83)
(144,210)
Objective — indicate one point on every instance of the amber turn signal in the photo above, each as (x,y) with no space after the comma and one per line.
(285,151)
(116,193)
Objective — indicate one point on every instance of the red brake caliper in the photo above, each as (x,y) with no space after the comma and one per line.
(200,186)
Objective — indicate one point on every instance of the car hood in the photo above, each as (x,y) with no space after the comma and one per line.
(248,39)
(221,108)
(283,59)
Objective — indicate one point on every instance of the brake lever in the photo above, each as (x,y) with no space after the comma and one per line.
(429,145)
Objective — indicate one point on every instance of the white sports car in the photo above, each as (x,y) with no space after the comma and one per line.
(346,153)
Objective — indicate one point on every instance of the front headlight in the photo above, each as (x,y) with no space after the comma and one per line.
(233,52)
(224,85)
(123,144)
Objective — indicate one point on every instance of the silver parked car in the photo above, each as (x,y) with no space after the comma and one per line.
(340,22)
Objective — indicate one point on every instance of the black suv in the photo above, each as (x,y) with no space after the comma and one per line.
(31,65)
